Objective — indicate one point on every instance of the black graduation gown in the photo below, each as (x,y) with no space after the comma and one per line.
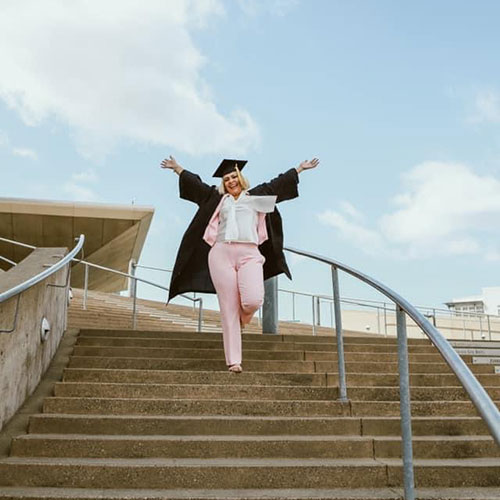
(190,273)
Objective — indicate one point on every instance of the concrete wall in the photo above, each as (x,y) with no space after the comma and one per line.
(24,358)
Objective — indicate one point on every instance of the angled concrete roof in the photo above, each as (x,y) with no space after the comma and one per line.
(114,234)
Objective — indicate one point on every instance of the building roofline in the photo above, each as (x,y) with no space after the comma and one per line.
(73,208)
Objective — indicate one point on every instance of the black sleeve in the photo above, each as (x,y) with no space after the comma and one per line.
(192,188)
(285,186)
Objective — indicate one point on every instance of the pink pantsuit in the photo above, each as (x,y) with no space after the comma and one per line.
(236,271)
(235,230)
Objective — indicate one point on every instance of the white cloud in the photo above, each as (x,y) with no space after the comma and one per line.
(120,69)
(445,209)
(486,107)
(367,239)
(25,153)
(350,210)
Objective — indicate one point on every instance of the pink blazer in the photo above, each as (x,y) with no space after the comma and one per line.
(210,234)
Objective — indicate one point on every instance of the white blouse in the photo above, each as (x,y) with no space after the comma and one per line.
(238,218)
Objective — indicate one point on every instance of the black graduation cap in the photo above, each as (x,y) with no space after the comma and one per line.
(227,166)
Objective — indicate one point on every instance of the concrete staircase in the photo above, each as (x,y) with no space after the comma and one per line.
(154,414)
(109,311)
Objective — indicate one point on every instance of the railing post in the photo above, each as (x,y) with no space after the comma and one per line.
(132,266)
(385,321)
(200,314)
(270,313)
(318,311)
(404,403)
(134,303)
(313,316)
(85,285)
(338,331)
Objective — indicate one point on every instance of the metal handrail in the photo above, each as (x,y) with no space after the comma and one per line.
(135,279)
(381,304)
(115,271)
(478,395)
(5,259)
(430,312)
(44,274)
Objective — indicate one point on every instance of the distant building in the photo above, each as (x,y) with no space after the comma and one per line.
(487,303)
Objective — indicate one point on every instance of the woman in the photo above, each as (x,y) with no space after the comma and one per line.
(233,243)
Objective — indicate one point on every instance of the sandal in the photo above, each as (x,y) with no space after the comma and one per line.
(235,369)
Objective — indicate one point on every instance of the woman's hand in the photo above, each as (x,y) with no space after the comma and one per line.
(172,164)
(308,164)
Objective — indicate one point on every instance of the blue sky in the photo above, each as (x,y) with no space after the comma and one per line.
(399,100)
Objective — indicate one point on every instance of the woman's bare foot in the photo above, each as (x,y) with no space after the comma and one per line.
(235,369)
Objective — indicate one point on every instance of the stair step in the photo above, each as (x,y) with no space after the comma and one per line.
(262,446)
(141,341)
(123,406)
(243,473)
(245,425)
(249,354)
(418,408)
(328,339)
(271,378)
(384,367)
(194,377)
(194,446)
(116,406)
(425,425)
(172,353)
(190,364)
(193,391)
(259,365)
(261,392)
(26,493)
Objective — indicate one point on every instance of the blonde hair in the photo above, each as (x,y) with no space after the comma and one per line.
(242,179)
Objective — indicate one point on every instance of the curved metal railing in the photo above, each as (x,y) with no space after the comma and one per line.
(132,277)
(18,289)
(135,279)
(25,285)
(480,398)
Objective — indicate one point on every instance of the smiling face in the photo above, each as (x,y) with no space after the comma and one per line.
(232,184)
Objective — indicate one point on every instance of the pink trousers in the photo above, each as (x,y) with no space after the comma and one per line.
(236,272)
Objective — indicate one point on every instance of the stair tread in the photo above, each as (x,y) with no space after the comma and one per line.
(249,462)
(243,437)
(249,494)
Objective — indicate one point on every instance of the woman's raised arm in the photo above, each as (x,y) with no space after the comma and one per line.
(285,185)
(308,164)
(191,187)
(172,164)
